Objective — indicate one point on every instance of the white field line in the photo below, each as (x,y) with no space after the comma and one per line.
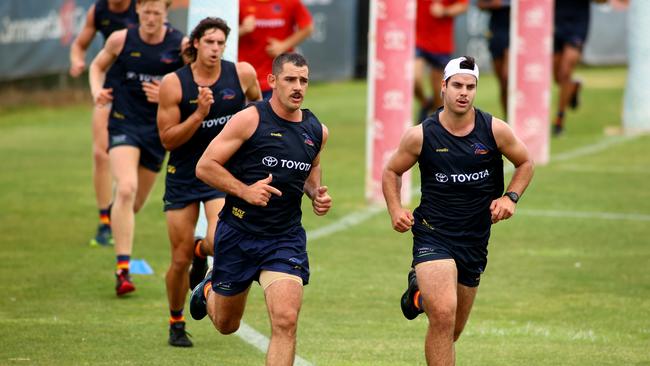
(584,215)
(261,342)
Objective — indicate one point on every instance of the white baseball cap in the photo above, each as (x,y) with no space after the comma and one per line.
(453,68)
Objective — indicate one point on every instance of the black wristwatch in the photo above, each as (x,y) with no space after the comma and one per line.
(514,197)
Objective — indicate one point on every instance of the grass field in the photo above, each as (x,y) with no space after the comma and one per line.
(567,282)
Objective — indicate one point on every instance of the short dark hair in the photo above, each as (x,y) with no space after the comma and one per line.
(292,57)
(468,63)
(200,29)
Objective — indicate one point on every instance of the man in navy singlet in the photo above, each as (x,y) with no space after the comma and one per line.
(265,158)
(571,25)
(143,55)
(458,150)
(196,102)
(105,17)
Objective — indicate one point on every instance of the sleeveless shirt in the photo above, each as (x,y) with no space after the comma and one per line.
(460,178)
(284,149)
(229,99)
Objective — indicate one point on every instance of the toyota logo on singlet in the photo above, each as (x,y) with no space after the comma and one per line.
(442,178)
(269,161)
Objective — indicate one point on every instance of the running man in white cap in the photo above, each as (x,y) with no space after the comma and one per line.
(459,151)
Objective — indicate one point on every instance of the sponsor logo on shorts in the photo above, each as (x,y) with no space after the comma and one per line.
(118,115)
(225,286)
(118,139)
(423,252)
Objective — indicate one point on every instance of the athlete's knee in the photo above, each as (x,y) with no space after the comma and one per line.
(126,190)
(284,321)
(181,260)
(181,264)
(441,315)
(226,326)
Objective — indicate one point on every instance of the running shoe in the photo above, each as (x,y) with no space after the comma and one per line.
(103,237)
(408,306)
(178,337)
(123,283)
(198,302)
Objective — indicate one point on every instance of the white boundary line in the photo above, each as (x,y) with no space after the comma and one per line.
(585,215)
(261,342)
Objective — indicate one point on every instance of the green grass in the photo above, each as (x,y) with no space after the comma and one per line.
(558,290)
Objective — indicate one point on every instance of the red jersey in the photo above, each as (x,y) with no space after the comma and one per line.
(273,19)
(435,35)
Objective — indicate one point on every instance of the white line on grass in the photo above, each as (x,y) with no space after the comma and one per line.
(584,214)
(593,148)
(261,342)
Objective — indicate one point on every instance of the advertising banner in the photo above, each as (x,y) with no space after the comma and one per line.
(529,89)
(390,88)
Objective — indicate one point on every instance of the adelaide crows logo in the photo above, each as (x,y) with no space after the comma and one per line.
(169,57)
(480,149)
(227,94)
(308,140)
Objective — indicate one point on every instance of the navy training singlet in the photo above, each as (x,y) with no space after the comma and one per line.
(140,62)
(107,22)
(229,99)
(285,149)
(460,178)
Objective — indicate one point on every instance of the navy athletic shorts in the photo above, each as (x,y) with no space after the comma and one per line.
(571,30)
(435,60)
(239,257)
(499,37)
(470,260)
(178,195)
(152,153)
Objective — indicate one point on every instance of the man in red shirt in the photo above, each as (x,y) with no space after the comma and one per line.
(268,28)
(434,45)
